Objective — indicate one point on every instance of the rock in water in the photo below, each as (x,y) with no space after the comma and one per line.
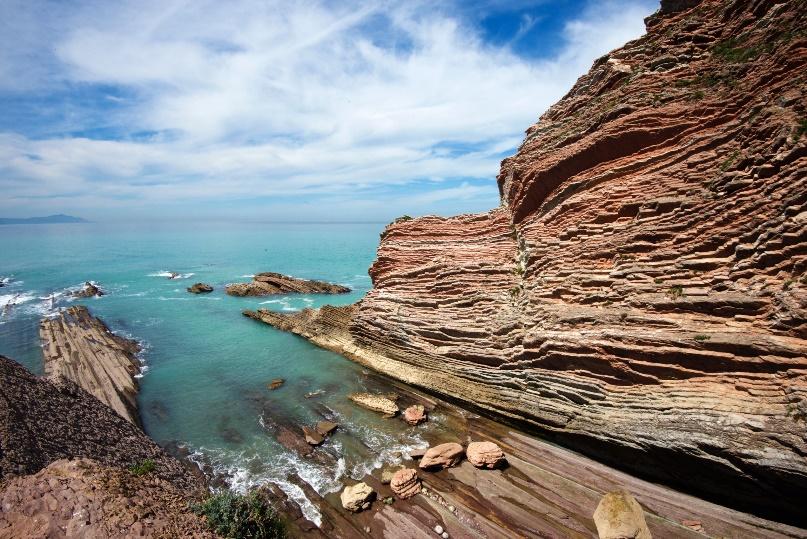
(377,403)
(264,284)
(88,291)
(442,456)
(418,453)
(200,288)
(357,497)
(81,348)
(648,255)
(276,383)
(325,428)
(405,483)
(415,415)
(619,516)
(484,455)
(312,436)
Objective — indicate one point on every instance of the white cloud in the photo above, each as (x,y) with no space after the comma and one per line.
(255,99)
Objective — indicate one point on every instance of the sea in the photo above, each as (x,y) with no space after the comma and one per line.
(203,385)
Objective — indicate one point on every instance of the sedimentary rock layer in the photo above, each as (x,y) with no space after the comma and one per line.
(42,421)
(264,284)
(641,292)
(79,347)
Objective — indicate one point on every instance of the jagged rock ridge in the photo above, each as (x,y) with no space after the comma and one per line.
(640,293)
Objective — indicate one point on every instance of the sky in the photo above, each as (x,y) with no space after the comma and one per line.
(281,111)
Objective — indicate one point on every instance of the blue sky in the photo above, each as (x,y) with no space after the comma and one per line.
(254,109)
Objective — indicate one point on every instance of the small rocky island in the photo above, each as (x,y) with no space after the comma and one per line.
(200,288)
(89,290)
(267,284)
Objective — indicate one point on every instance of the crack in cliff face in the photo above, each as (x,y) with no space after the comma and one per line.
(640,294)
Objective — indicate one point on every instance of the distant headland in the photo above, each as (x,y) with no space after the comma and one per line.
(59,218)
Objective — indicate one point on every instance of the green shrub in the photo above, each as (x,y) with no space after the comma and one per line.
(801,129)
(403,218)
(676,291)
(701,338)
(732,51)
(241,516)
(143,467)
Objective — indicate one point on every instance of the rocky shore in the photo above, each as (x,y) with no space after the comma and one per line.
(640,293)
(264,284)
(502,483)
(79,347)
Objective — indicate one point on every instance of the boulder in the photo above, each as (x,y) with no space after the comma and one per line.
(312,437)
(264,284)
(484,455)
(200,288)
(442,456)
(276,383)
(405,483)
(357,497)
(415,414)
(325,428)
(89,291)
(377,403)
(619,516)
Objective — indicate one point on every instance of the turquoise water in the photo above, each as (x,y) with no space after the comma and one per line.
(206,365)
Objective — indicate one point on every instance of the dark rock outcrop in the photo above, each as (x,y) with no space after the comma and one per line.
(42,422)
(89,290)
(640,294)
(265,284)
(200,288)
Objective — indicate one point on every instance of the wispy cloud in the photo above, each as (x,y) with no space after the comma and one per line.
(246,99)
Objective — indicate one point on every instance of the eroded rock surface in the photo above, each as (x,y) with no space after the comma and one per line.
(377,403)
(81,498)
(264,284)
(80,347)
(484,455)
(640,294)
(357,497)
(619,516)
(442,456)
(415,414)
(405,483)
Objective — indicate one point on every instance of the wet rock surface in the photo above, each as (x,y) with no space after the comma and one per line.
(647,261)
(415,414)
(265,284)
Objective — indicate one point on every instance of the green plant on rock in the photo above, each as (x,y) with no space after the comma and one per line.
(726,164)
(403,218)
(801,129)
(675,291)
(701,338)
(732,51)
(237,516)
(143,467)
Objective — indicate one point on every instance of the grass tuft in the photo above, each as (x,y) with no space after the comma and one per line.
(143,467)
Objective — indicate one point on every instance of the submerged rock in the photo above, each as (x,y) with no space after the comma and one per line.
(88,291)
(264,284)
(357,497)
(485,455)
(442,456)
(405,483)
(276,383)
(619,516)
(414,415)
(418,453)
(173,275)
(377,403)
(200,288)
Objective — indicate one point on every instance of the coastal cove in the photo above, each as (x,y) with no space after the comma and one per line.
(206,367)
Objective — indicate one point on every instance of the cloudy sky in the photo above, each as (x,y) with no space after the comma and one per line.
(306,110)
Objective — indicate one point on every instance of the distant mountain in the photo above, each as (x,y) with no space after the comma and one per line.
(60,218)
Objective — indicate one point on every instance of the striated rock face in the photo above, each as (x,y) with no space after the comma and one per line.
(264,284)
(405,483)
(640,293)
(79,347)
(41,422)
(81,498)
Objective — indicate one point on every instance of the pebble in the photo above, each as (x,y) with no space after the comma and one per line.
(444,535)
(438,530)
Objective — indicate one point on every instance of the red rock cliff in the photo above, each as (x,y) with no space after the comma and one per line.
(640,293)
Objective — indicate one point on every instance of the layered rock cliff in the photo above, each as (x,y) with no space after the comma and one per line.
(640,294)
